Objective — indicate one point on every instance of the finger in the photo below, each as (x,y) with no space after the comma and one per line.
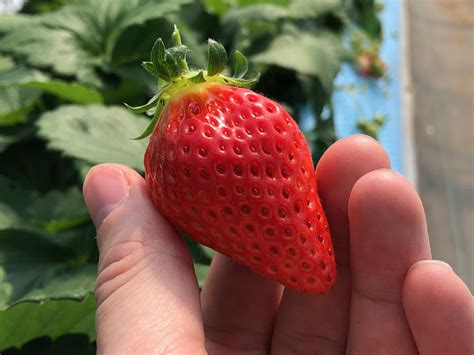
(387,235)
(146,289)
(309,323)
(238,308)
(438,306)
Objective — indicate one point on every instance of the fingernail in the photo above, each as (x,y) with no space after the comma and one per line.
(434,262)
(105,188)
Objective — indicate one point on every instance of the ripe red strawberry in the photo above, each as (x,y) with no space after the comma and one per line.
(231,169)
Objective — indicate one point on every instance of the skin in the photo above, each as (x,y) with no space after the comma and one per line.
(383,303)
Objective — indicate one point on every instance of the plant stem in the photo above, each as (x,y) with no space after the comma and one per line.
(176,37)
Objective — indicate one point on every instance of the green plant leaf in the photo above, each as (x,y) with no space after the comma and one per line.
(70,344)
(150,68)
(144,108)
(179,52)
(27,321)
(239,65)
(52,212)
(79,38)
(95,133)
(257,13)
(34,167)
(201,271)
(218,7)
(30,78)
(317,56)
(11,21)
(15,104)
(198,78)
(39,268)
(10,135)
(217,58)
(302,9)
(151,126)
(158,52)
(277,11)
(65,56)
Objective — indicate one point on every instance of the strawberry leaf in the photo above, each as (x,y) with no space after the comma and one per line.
(51,212)
(217,58)
(16,103)
(84,132)
(34,79)
(10,135)
(80,38)
(304,53)
(27,321)
(38,267)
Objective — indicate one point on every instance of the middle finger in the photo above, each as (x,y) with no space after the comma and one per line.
(309,323)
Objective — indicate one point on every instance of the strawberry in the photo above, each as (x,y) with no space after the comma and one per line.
(231,169)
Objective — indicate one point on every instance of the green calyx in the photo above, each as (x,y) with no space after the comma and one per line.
(170,67)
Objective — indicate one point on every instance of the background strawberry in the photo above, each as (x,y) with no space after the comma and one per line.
(231,169)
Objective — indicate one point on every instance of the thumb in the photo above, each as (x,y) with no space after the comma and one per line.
(146,290)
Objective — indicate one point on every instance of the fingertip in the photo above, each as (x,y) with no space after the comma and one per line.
(339,168)
(105,187)
(432,279)
(389,196)
(388,230)
(356,153)
(438,305)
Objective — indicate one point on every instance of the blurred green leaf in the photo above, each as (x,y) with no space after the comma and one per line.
(201,273)
(34,79)
(42,6)
(32,166)
(27,321)
(52,212)
(39,268)
(15,103)
(318,56)
(257,12)
(252,2)
(218,7)
(70,344)
(296,9)
(76,39)
(45,47)
(365,14)
(300,9)
(95,133)
(12,21)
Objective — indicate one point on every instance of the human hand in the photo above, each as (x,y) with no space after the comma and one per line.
(390,298)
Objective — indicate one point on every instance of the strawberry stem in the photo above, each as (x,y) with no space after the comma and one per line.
(176,38)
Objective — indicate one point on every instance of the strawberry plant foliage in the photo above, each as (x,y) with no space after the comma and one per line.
(69,316)
(51,212)
(80,38)
(67,67)
(49,268)
(22,77)
(84,132)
